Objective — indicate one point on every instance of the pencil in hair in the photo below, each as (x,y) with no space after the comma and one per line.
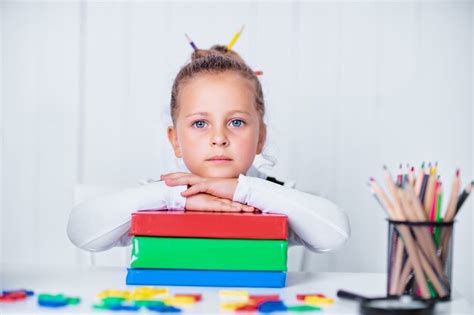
(191,42)
(235,38)
(465,193)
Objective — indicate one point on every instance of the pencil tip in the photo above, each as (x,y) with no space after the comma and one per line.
(458,172)
(423,164)
(372,179)
(385,167)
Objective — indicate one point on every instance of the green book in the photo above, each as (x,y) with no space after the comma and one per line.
(209,253)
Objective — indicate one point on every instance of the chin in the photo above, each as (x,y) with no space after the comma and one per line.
(216,173)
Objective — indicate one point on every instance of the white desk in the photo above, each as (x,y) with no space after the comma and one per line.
(87,282)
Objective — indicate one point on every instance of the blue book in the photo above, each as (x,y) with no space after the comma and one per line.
(206,278)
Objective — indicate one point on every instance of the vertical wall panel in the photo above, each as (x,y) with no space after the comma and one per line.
(40,99)
(19,141)
(2,18)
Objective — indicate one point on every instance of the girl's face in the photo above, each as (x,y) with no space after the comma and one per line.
(218,130)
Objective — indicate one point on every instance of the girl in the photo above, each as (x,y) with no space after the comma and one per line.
(217,110)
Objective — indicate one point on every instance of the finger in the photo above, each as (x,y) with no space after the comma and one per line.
(227,201)
(184,180)
(243,207)
(173,175)
(195,189)
(248,208)
(228,207)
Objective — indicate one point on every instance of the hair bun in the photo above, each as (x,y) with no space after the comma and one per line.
(216,50)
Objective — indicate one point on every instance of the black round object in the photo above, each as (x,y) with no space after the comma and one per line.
(396,305)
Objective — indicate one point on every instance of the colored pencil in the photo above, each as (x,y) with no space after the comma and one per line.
(462,198)
(191,42)
(235,38)
(406,205)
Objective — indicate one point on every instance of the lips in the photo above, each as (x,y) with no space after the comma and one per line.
(219,158)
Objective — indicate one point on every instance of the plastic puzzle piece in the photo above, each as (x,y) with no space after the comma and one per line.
(122,307)
(303,308)
(164,309)
(272,306)
(111,300)
(209,254)
(209,278)
(56,300)
(247,308)
(114,293)
(232,306)
(301,297)
(179,300)
(73,300)
(52,303)
(147,293)
(316,300)
(13,296)
(27,292)
(147,303)
(210,225)
(197,296)
(259,299)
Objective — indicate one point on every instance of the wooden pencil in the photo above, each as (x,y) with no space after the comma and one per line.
(405,233)
(462,198)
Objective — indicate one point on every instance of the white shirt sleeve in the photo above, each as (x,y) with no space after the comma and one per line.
(314,222)
(104,221)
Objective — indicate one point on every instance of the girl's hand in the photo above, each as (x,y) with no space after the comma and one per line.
(219,187)
(205,202)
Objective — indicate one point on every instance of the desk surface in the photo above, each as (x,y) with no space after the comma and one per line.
(86,282)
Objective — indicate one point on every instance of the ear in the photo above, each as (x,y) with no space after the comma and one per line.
(173,139)
(262,138)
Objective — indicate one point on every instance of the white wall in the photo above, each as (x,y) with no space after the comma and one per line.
(349,87)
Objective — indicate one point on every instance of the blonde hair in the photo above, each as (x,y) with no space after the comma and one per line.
(217,59)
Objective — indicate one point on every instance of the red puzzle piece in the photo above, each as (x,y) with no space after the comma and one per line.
(210,224)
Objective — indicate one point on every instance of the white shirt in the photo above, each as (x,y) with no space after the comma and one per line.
(104,221)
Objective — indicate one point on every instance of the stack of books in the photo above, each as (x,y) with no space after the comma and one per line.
(208,249)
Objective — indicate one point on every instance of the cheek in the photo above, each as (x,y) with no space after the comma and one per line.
(247,143)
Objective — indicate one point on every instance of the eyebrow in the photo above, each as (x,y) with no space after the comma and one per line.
(229,113)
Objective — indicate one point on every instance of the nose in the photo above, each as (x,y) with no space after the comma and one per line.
(219,139)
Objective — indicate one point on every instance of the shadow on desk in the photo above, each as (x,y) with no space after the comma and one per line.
(297,278)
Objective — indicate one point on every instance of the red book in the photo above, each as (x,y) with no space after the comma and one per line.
(210,224)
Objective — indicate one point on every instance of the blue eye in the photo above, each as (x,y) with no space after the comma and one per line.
(237,122)
(199,124)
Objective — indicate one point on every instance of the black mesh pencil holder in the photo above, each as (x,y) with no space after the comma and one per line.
(420,259)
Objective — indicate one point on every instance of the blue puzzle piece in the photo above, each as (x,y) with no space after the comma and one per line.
(272,306)
(163,309)
(209,278)
(52,303)
(121,307)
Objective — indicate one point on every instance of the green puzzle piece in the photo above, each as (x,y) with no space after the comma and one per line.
(303,308)
(209,254)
